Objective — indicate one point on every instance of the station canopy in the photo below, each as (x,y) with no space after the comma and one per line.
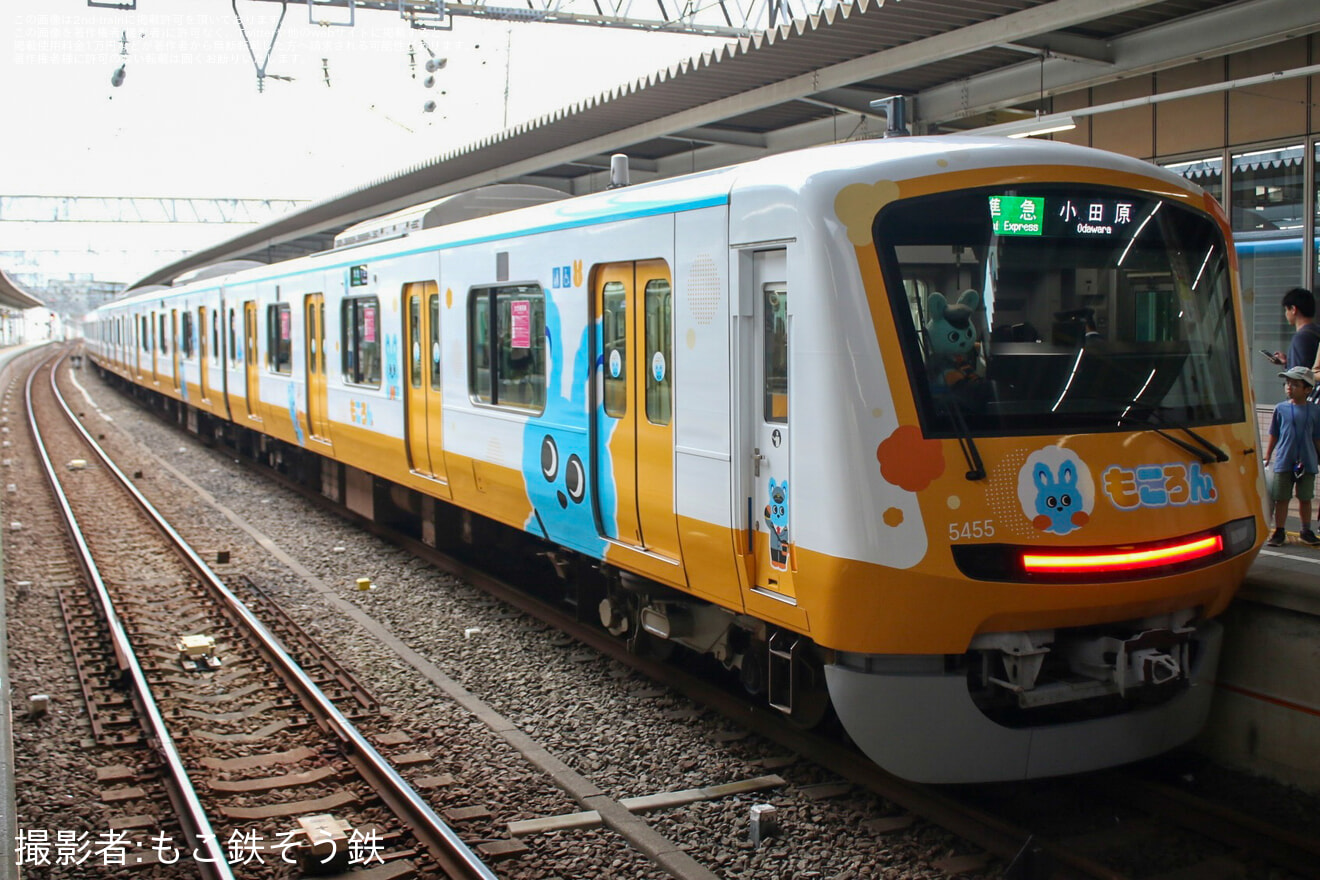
(15,297)
(959,64)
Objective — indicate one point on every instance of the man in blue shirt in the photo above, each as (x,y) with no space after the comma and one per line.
(1295,436)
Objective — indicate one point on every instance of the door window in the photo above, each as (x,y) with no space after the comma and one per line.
(614,329)
(776,353)
(435,342)
(659,352)
(415,341)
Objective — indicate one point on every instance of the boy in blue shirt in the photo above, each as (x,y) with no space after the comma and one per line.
(1295,432)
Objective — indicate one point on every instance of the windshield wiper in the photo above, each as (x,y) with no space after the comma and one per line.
(1219,454)
(965,441)
(1202,453)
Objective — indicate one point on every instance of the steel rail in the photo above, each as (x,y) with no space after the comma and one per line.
(448,849)
(192,815)
(992,833)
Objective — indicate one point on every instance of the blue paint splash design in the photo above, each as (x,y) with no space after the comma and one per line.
(557,454)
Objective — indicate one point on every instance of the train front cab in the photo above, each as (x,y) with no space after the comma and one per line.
(1077,447)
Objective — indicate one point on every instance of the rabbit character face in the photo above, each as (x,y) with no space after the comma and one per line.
(1058,501)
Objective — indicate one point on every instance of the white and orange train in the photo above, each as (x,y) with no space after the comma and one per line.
(952,434)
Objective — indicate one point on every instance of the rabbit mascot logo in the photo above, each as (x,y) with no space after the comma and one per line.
(1056,490)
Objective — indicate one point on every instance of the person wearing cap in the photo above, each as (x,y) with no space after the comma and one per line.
(1295,435)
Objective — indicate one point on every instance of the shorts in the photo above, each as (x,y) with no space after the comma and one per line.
(1281,486)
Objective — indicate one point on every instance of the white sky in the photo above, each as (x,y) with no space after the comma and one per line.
(188,120)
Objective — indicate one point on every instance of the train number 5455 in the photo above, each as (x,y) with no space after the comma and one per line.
(977,528)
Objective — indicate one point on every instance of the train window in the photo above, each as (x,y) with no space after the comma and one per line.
(415,341)
(215,336)
(614,329)
(186,347)
(360,323)
(659,352)
(1056,307)
(164,337)
(506,346)
(233,338)
(479,372)
(279,338)
(146,334)
(775,308)
(434,300)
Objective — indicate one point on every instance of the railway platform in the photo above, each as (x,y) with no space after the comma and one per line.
(1266,715)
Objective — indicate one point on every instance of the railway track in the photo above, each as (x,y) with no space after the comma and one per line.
(1216,840)
(259,765)
(1220,841)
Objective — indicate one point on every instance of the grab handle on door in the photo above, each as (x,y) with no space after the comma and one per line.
(757,458)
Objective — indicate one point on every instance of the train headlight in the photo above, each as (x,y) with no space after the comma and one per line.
(1240,535)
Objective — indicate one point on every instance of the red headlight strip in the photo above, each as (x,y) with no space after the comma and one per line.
(1123,561)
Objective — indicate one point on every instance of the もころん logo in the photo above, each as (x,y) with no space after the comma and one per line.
(1056,490)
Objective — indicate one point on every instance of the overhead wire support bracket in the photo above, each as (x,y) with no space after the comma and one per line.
(261,68)
(325,22)
(712,18)
(426,16)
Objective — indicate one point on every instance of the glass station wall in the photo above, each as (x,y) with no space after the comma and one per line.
(1255,148)
(1273,219)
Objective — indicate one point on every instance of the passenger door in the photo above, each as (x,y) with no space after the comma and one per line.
(422,397)
(251,366)
(634,423)
(175,356)
(318,424)
(203,353)
(138,341)
(156,325)
(772,526)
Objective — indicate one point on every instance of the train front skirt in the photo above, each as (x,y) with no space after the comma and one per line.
(921,723)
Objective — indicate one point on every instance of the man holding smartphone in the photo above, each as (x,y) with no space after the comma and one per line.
(1299,310)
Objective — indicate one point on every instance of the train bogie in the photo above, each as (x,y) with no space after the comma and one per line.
(841,418)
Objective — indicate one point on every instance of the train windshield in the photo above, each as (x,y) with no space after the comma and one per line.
(1054,308)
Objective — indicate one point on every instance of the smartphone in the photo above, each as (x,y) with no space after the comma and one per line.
(1269,355)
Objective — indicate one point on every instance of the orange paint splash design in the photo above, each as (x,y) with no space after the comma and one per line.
(909,461)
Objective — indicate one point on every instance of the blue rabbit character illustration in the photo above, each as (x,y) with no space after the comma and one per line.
(1058,502)
(776,518)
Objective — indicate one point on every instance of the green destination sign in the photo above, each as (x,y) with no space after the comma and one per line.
(1015,215)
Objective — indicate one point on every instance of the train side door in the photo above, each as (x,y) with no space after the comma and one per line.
(422,397)
(250,359)
(155,349)
(218,359)
(318,425)
(232,358)
(138,342)
(634,425)
(203,352)
(772,526)
(174,349)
